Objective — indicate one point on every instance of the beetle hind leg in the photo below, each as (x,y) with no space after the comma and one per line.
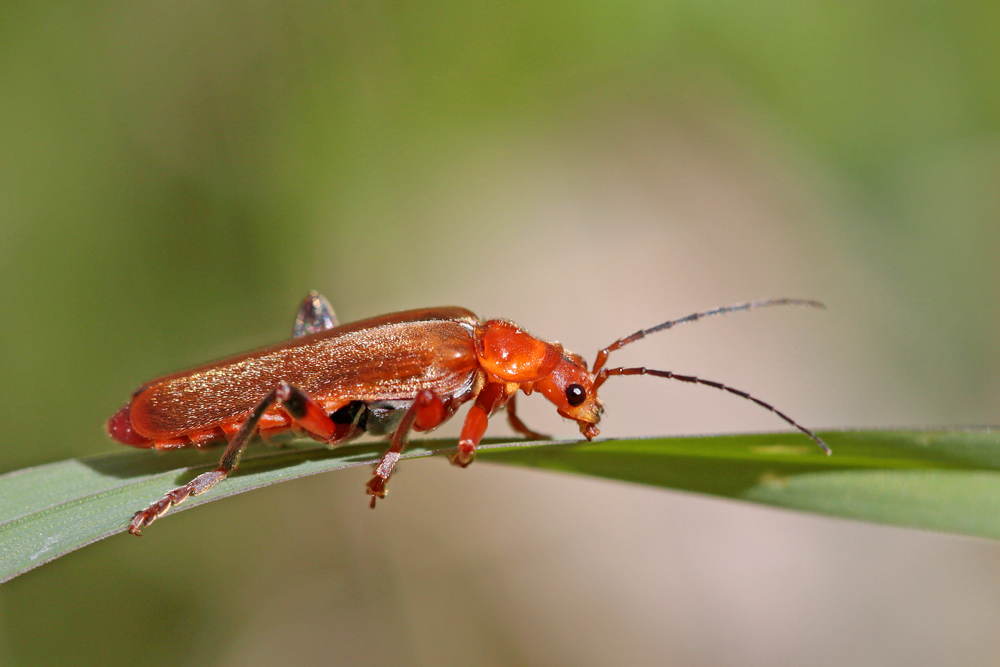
(299,406)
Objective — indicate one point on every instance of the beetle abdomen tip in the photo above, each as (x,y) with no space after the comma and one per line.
(120,428)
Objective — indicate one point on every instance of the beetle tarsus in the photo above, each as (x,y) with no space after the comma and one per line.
(376,489)
(463,457)
(147,516)
(199,484)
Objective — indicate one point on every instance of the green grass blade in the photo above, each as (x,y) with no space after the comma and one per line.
(947,480)
(939,480)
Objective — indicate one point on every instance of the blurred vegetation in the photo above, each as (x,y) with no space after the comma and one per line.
(173,177)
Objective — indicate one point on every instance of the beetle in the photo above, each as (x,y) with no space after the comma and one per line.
(393,374)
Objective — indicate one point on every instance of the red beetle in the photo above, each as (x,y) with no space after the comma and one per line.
(396,373)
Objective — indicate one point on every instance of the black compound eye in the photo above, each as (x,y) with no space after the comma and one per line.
(575,395)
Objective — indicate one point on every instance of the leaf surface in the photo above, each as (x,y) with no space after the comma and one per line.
(947,480)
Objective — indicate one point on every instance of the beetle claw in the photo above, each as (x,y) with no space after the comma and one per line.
(138,523)
(145,517)
(462,458)
(376,489)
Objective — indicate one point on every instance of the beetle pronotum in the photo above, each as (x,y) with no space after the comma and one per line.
(396,373)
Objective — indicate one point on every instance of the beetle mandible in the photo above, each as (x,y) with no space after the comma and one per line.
(397,373)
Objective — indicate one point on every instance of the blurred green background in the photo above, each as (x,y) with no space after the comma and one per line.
(174,177)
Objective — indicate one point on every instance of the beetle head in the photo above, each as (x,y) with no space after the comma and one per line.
(511,354)
(570,387)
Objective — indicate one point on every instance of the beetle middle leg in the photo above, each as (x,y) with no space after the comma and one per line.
(426,412)
(303,410)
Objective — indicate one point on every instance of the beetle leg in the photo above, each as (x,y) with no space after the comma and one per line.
(490,399)
(427,407)
(303,411)
(314,314)
(518,425)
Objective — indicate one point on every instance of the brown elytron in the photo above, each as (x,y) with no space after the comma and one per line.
(390,358)
(390,374)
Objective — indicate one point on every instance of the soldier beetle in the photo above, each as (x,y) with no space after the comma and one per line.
(393,374)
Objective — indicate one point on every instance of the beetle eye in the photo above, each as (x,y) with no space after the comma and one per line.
(575,395)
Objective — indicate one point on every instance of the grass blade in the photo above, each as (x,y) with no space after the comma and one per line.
(946,480)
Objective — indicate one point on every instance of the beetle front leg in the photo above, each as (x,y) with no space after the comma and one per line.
(518,425)
(493,395)
(426,412)
(303,411)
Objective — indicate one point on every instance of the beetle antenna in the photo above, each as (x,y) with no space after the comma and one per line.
(602,356)
(605,373)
